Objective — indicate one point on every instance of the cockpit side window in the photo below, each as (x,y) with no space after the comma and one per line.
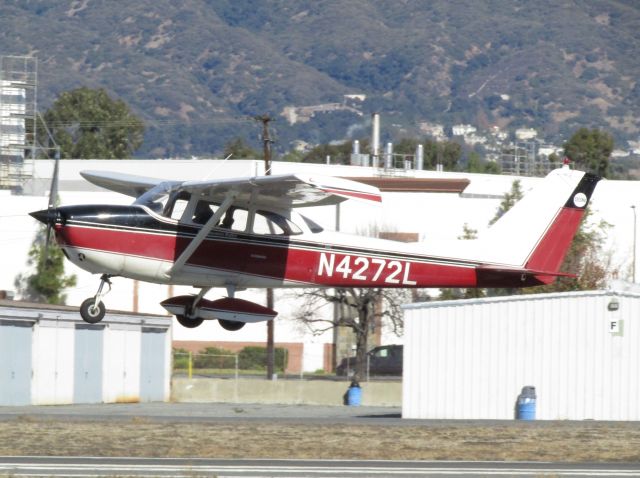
(235,218)
(313,226)
(203,211)
(267,222)
(158,197)
(176,205)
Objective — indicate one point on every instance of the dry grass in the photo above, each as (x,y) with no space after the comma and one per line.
(564,441)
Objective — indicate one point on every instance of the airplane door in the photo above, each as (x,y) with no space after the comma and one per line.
(268,255)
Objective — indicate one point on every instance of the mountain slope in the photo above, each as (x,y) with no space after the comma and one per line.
(198,70)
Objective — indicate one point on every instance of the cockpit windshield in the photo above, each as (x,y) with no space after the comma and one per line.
(157,197)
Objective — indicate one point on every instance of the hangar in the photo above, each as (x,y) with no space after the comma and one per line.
(470,359)
(49,356)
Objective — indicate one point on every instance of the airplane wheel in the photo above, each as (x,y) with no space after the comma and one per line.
(189,323)
(230,325)
(92,313)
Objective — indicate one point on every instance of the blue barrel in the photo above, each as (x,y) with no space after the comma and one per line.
(526,405)
(354,396)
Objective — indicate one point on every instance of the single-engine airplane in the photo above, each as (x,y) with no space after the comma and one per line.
(247,232)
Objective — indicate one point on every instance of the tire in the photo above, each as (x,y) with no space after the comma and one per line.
(91,313)
(230,325)
(189,323)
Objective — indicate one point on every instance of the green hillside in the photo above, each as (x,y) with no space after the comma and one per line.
(197,70)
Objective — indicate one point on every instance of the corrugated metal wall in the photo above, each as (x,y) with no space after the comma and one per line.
(152,374)
(53,362)
(15,360)
(470,359)
(48,356)
(88,363)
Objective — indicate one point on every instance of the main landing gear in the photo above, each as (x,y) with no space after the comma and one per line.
(190,318)
(231,313)
(193,315)
(93,310)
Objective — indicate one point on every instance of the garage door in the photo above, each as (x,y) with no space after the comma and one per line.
(152,364)
(15,362)
(87,386)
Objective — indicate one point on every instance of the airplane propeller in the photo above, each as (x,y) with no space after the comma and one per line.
(49,216)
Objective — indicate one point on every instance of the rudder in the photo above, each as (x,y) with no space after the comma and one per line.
(548,255)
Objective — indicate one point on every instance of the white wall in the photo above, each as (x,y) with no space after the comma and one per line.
(470,359)
(53,352)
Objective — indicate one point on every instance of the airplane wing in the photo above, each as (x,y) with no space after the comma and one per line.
(286,191)
(127,184)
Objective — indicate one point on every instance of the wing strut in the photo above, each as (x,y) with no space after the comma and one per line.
(193,245)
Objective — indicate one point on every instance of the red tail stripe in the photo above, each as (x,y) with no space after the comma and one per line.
(552,248)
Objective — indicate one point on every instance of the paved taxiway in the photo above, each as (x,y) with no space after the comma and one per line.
(213,412)
(229,412)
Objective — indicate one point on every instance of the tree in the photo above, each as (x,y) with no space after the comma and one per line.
(88,124)
(478,165)
(467,293)
(292,156)
(509,199)
(361,310)
(48,281)
(406,146)
(583,259)
(590,150)
(339,153)
(238,149)
(447,153)
(451,153)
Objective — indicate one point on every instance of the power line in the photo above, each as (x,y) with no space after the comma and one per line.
(147,122)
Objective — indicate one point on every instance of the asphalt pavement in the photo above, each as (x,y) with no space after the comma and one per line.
(176,467)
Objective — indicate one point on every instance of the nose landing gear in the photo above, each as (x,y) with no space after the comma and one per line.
(93,310)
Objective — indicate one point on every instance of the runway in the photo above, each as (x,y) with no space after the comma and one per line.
(190,468)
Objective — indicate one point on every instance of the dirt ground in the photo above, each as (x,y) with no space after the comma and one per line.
(140,437)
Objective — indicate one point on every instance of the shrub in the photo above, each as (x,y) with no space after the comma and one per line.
(255,358)
(214,357)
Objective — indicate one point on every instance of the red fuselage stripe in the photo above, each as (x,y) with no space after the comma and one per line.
(280,262)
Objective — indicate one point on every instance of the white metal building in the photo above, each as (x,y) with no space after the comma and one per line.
(469,359)
(49,356)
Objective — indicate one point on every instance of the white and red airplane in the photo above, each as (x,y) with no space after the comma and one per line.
(247,232)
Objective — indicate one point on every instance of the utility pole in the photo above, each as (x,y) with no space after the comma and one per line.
(633,277)
(266,144)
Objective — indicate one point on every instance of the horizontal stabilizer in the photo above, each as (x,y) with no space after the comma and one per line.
(490,276)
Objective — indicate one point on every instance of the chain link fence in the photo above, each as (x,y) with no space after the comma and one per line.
(212,362)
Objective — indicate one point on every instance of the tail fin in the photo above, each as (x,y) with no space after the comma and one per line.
(553,246)
(532,238)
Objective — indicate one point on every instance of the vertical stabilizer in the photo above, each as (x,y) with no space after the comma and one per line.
(537,231)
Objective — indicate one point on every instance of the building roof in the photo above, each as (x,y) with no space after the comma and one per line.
(620,292)
(418,185)
(19,304)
